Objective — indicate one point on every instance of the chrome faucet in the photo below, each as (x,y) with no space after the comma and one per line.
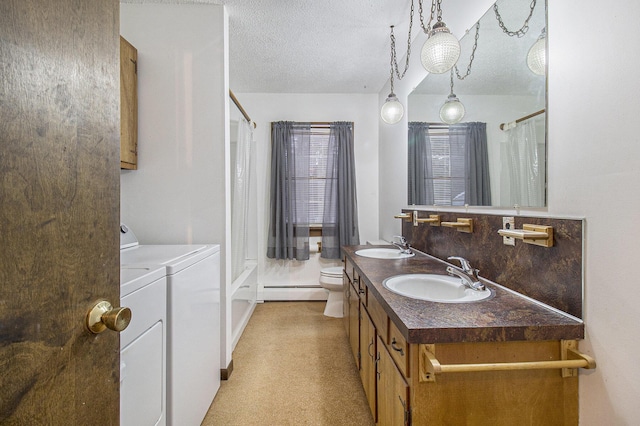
(468,274)
(402,244)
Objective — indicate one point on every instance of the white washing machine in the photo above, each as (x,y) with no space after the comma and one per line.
(143,346)
(193,322)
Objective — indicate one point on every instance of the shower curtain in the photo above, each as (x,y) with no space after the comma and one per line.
(523,166)
(240,198)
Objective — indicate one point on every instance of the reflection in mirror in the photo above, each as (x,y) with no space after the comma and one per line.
(476,162)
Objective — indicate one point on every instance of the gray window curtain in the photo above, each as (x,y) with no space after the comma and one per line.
(419,165)
(478,188)
(340,215)
(289,208)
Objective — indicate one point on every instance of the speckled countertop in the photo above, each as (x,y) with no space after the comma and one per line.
(504,317)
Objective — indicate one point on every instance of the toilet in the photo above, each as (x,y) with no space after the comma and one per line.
(331,279)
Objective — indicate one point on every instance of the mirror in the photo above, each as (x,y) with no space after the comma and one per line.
(500,89)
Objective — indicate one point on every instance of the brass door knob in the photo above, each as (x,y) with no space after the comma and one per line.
(103,316)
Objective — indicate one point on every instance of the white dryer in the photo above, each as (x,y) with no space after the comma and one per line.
(193,322)
(143,346)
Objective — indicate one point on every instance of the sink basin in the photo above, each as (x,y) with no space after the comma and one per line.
(383,253)
(434,288)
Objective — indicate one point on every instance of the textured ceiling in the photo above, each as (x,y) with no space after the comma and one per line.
(324,46)
(306,46)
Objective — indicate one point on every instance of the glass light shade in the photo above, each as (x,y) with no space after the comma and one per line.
(452,111)
(392,110)
(441,50)
(537,57)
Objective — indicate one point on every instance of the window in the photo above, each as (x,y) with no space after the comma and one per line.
(318,151)
(448,166)
(311,147)
(312,189)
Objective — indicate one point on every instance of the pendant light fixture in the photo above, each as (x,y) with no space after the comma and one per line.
(452,111)
(537,56)
(392,111)
(439,54)
(442,49)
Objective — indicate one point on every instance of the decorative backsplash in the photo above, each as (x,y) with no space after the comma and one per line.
(552,275)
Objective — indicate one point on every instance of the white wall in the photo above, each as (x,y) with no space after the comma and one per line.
(594,172)
(179,194)
(264,108)
(179,185)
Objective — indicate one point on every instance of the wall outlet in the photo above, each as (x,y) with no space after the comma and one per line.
(508,223)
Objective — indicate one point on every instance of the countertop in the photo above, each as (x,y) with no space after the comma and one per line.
(507,316)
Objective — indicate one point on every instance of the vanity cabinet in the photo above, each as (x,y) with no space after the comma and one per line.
(425,383)
(384,384)
(128,105)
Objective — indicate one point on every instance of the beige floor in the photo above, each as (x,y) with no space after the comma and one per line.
(292,366)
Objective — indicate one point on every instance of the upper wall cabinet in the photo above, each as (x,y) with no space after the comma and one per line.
(128,105)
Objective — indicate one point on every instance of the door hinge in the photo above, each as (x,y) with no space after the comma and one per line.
(135,64)
(407,412)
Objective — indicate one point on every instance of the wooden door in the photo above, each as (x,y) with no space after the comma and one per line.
(393,391)
(354,324)
(346,291)
(59,210)
(368,354)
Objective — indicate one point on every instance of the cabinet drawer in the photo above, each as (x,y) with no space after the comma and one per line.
(348,269)
(379,317)
(399,349)
(361,288)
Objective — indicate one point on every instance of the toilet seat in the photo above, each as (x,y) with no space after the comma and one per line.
(333,272)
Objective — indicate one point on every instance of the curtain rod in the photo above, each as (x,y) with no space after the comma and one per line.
(244,113)
(318,123)
(526,117)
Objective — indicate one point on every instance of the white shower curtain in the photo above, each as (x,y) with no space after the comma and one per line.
(240,198)
(523,165)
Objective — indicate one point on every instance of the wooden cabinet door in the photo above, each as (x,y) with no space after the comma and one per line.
(393,391)
(354,324)
(128,105)
(59,214)
(346,290)
(368,354)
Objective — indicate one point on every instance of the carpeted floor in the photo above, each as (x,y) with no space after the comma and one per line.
(292,366)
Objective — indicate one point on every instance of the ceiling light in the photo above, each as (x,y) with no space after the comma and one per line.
(392,110)
(537,56)
(441,50)
(452,111)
